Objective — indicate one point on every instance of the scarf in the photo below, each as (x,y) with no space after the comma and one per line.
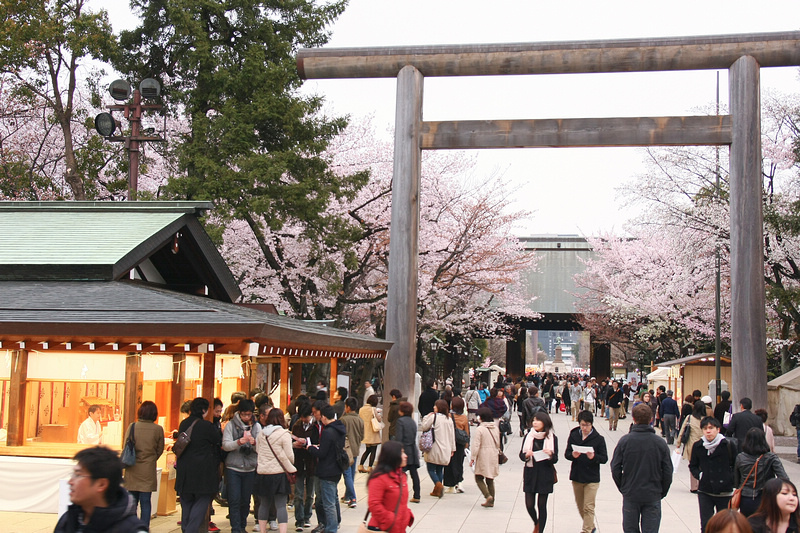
(549,442)
(712,445)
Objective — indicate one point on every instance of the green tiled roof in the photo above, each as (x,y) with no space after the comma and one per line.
(75,237)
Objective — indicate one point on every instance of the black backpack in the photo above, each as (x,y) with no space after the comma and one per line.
(794,418)
(342,459)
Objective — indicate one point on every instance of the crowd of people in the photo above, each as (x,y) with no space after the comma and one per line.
(293,461)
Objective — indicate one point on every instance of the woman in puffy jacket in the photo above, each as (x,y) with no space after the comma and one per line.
(275,460)
(444,445)
(388,491)
(692,426)
(755,450)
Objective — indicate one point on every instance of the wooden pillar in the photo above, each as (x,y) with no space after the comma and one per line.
(283,393)
(178,386)
(297,379)
(334,380)
(401,314)
(18,398)
(133,390)
(209,375)
(748,320)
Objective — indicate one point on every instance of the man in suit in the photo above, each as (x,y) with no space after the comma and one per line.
(743,421)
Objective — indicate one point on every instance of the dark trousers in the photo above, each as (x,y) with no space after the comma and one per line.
(412,470)
(240,487)
(668,425)
(644,514)
(709,505)
(193,512)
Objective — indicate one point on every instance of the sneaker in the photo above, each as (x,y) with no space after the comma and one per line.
(256,529)
(212,527)
(298,528)
(273,525)
(306,524)
(352,504)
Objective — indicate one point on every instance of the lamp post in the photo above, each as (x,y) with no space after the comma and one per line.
(105,124)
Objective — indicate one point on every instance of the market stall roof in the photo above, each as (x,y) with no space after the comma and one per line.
(695,359)
(127,311)
(162,243)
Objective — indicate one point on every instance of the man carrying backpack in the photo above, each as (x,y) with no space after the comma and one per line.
(531,405)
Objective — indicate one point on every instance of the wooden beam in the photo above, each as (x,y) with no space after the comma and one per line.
(133,390)
(209,375)
(18,398)
(577,132)
(748,320)
(334,377)
(560,57)
(283,386)
(176,394)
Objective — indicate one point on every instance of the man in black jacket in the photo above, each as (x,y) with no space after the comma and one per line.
(427,398)
(328,471)
(713,459)
(585,471)
(99,503)
(642,471)
(741,422)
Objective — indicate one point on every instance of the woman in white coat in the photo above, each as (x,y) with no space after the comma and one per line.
(444,445)
(485,448)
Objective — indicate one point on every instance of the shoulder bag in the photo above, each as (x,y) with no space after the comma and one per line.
(736,499)
(522,447)
(726,417)
(362,527)
(290,476)
(183,440)
(462,437)
(377,425)
(686,430)
(427,438)
(128,456)
(501,457)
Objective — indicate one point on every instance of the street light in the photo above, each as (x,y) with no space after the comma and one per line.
(105,124)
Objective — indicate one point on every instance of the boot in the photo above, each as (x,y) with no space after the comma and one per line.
(536,528)
(362,469)
(438,489)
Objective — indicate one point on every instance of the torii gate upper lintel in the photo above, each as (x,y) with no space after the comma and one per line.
(743,55)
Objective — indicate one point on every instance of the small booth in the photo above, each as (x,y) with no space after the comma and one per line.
(114,303)
(783,393)
(694,372)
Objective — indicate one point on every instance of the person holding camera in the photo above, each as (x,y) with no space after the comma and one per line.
(238,439)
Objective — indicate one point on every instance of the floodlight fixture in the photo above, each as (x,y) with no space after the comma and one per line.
(149,88)
(120,90)
(105,124)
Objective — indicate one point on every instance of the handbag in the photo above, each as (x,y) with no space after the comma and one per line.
(462,437)
(291,476)
(522,447)
(183,440)
(686,431)
(501,457)
(726,417)
(128,456)
(377,425)
(736,499)
(362,527)
(427,438)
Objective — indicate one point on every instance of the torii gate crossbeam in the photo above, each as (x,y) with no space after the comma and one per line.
(742,54)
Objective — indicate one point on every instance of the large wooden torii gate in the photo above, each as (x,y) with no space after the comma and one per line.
(742,54)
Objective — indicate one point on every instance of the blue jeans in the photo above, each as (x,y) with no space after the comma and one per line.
(648,514)
(798,442)
(349,482)
(436,472)
(143,499)
(240,488)
(329,494)
(303,499)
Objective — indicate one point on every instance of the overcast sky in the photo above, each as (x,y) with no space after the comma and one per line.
(570,190)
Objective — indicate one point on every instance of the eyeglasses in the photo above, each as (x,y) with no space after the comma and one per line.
(76,475)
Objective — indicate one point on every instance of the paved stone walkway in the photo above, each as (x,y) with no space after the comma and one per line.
(462,513)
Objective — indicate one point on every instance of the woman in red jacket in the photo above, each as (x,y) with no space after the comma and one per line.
(388,491)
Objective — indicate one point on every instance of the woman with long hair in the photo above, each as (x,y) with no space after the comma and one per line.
(753,468)
(406,434)
(275,462)
(371,438)
(444,445)
(388,491)
(692,426)
(485,449)
(539,476)
(454,471)
(778,512)
(140,478)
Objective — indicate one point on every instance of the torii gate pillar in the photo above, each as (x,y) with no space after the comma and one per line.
(401,316)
